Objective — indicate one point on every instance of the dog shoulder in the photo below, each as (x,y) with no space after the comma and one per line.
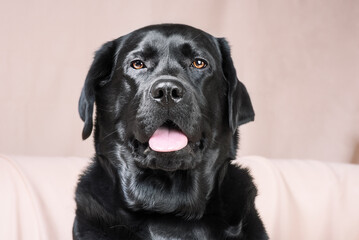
(238,183)
(238,193)
(94,194)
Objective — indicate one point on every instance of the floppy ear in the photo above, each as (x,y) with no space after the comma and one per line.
(240,108)
(99,74)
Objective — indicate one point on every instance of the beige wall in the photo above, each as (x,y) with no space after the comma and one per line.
(299,60)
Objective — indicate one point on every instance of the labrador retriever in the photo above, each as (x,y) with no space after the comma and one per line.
(168,104)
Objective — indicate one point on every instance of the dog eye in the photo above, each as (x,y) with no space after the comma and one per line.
(137,64)
(199,63)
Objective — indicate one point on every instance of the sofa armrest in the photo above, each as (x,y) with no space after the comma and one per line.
(304,199)
(37,196)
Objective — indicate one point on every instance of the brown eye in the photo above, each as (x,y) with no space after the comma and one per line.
(137,64)
(199,63)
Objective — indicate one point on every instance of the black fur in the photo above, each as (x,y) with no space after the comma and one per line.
(132,192)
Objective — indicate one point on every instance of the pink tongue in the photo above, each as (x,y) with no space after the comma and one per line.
(167,140)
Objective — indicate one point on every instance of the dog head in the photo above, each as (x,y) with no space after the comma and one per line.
(168,104)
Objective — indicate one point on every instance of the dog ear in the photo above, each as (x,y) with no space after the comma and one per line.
(99,74)
(240,108)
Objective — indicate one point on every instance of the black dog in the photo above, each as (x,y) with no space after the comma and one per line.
(168,104)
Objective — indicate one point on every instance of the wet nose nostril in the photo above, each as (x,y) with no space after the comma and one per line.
(158,94)
(176,93)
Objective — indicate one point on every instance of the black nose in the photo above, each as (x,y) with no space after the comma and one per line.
(167,92)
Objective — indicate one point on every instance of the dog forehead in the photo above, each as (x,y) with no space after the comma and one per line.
(160,38)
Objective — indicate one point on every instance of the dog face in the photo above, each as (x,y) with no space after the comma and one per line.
(168,104)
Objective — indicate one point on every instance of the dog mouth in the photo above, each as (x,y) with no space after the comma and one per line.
(168,138)
(168,148)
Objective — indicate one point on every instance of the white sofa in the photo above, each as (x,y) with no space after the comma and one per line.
(297,199)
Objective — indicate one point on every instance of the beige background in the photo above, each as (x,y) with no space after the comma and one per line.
(298,59)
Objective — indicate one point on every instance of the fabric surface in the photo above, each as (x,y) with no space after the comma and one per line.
(297,199)
(306,199)
(37,197)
